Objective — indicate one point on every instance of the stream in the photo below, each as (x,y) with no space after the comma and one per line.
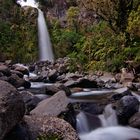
(103,126)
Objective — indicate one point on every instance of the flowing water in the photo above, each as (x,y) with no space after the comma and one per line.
(82,123)
(87,122)
(107,127)
(104,126)
(46,52)
(112,133)
(109,117)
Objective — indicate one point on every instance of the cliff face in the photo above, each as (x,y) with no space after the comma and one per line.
(58,9)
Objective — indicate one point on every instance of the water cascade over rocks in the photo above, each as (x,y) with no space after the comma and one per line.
(45,46)
(95,112)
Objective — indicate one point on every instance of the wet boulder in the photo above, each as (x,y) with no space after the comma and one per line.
(86,83)
(70,83)
(30,100)
(52,106)
(118,77)
(31,67)
(92,108)
(16,81)
(21,68)
(120,93)
(53,74)
(61,65)
(52,89)
(37,78)
(26,84)
(126,107)
(44,74)
(4,78)
(107,77)
(65,89)
(76,89)
(126,77)
(62,68)
(69,115)
(17,73)
(19,132)
(12,108)
(81,82)
(8,62)
(61,78)
(73,76)
(5,70)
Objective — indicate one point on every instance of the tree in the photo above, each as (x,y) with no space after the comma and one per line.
(18,32)
(72,17)
(115,12)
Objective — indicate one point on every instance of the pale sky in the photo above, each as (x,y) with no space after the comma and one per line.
(31,3)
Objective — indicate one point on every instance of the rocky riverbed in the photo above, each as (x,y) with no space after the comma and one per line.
(45,99)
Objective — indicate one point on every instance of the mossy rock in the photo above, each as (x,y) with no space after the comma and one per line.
(49,137)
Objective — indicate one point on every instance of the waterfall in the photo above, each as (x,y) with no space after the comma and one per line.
(45,47)
(46,52)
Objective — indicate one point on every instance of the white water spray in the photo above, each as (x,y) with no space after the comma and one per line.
(110,117)
(112,133)
(45,46)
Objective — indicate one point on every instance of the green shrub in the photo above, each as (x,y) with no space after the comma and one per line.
(49,137)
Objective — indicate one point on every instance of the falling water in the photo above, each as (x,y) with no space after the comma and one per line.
(109,117)
(46,52)
(82,125)
(45,47)
(87,122)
